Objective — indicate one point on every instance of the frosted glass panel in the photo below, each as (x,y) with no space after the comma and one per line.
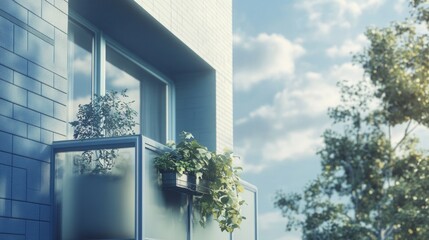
(247,229)
(165,213)
(210,232)
(94,205)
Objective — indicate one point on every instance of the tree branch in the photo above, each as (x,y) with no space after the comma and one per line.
(390,133)
(407,132)
(389,231)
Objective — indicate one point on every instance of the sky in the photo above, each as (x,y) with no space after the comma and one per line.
(288,57)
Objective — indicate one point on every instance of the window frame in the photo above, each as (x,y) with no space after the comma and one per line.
(98,83)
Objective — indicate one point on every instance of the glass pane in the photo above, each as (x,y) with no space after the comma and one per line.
(148,93)
(119,78)
(92,204)
(165,213)
(80,68)
(154,107)
(247,229)
(210,232)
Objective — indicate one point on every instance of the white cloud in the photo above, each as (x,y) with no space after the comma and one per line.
(271,221)
(350,46)
(290,127)
(120,79)
(400,6)
(346,71)
(237,38)
(264,57)
(323,15)
(82,64)
(309,99)
(313,76)
(293,146)
(289,237)
(252,168)
(241,152)
(422,28)
(241,121)
(268,219)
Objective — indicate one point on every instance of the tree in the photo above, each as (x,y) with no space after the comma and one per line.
(105,116)
(373,185)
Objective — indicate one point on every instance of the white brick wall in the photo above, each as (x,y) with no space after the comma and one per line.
(206,27)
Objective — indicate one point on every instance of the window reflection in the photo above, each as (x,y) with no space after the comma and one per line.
(80,67)
(119,77)
(148,93)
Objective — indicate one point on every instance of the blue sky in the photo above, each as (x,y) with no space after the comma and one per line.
(288,56)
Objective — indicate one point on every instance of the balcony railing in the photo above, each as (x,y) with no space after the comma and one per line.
(125,200)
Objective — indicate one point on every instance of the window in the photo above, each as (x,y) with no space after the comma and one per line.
(81,42)
(147,92)
(97,64)
(122,74)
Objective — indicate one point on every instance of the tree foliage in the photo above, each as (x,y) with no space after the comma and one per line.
(105,116)
(373,184)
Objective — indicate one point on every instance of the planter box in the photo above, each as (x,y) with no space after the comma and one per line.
(202,187)
(182,183)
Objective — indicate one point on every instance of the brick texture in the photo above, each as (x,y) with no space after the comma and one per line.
(206,27)
(33,95)
(32,109)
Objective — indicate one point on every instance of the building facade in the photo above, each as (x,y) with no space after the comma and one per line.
(175,60)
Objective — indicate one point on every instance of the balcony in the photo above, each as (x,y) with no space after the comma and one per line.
(128,202)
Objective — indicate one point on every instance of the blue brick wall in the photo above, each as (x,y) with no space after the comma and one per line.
(33,110)
(33,98)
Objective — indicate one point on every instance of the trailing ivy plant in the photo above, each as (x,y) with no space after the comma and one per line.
(222,202)
(105,116)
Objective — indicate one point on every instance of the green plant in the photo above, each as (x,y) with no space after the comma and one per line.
(222,202)
(373,182)
(104,116)
(187,157)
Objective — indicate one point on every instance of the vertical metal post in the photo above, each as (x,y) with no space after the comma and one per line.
(190,220)
(100,64)
(139,158)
